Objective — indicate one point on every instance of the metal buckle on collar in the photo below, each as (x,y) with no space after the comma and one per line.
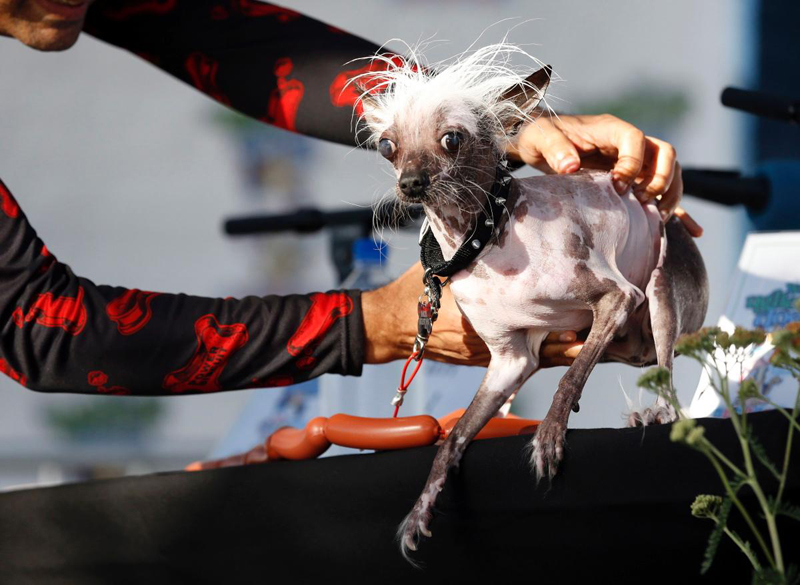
(428,306)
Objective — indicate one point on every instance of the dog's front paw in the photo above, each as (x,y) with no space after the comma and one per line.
(658,414)
(413,528)
(548,448)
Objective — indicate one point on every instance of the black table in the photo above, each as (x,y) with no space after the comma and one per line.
(618,512)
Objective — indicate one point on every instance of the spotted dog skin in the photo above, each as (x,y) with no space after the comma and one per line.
(570,255)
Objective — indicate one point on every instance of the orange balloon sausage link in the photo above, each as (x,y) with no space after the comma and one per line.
(499,427)
(358,432)
(291,443)
(382,433)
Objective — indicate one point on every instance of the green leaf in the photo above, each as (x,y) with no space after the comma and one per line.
(793,575)
(768,576)
(787,509)
(736,484)
(761,454)
(716,535)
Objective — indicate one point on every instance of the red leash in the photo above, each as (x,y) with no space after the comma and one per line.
(427,311)
(403,388)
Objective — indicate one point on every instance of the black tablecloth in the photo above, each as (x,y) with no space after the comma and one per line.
(618,512)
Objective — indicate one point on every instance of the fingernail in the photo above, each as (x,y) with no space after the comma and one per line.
(568,163)
(573,352)
(621,186)
(566,337)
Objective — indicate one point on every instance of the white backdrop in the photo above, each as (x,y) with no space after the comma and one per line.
(127,180)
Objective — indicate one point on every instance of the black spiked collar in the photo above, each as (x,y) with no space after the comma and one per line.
(483,232)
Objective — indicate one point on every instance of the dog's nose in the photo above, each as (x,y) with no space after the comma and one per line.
(414,183)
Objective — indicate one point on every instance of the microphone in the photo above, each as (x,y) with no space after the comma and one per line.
(762,104)
(310,219)
(771,196)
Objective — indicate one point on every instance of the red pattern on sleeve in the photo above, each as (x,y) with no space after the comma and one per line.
(344,92)
(219,13)
(243,39)
(60,327)
(272,382)
(325,310)
(65,312)
(98,379)
(7,202)
(260,9)
(285,99)
(131,311)
(216,344)
(49,260)
(203,72)
(6,368)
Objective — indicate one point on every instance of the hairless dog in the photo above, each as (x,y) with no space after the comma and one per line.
(564,252)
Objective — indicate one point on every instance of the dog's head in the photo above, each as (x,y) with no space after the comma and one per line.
(445,129)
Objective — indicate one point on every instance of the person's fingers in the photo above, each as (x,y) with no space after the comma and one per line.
(554,362)
(559,354)
(558,150)
(543,142)
(694,228)
(630,143)
(567,350)
(672,197)
(658,170)
(561,336)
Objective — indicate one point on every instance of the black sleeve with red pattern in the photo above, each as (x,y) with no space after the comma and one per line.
(268,62)
(63,333)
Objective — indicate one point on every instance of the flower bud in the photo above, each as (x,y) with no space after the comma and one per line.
(705,506)
(681,428)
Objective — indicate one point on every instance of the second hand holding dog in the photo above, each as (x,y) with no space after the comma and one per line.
(566,144)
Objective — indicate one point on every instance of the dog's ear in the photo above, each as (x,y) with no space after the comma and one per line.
(529,93)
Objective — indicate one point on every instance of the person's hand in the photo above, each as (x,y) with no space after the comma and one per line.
(390,327)
(565,144)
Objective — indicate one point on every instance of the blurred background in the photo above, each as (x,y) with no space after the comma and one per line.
(128,176)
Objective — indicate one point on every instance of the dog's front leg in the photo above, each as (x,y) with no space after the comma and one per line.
(611,312)
(507,371)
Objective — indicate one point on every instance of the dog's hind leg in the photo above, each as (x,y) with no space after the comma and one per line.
(512,363)
(678,297)
(611,311)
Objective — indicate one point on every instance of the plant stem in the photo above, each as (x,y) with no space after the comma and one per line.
(740,427)
(792,420)
(771,525)
(710,446)
(741,508)
(748,552)
(788,453)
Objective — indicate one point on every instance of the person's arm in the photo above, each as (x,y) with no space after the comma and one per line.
(62,333)
(268,62)
(292,71)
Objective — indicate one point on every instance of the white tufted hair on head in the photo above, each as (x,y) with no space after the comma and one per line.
(469,87)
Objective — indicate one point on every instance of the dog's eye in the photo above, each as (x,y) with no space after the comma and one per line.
(386,147)
(451,141)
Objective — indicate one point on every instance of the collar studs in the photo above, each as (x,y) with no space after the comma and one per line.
(476,244)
